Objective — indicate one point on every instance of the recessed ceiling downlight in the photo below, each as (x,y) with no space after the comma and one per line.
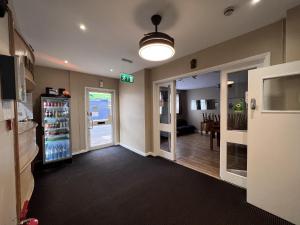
(254,2)
(156,46)
(82,27)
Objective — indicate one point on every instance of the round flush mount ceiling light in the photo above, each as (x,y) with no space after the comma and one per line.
(156,46)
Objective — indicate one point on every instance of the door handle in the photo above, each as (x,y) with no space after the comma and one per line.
(90,119)
(253,103)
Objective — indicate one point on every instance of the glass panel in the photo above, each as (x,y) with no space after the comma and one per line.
(237,159)
(100,118)
(177,103)
(165,141)
(282,93)
(237,105)
(164,104)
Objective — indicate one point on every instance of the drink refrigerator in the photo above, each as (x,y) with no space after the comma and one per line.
(56,125)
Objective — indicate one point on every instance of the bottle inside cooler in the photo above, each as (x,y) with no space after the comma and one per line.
(56,126)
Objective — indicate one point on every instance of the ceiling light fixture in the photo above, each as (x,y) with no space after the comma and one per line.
(156,46)
(254,2)
(82,27)
(111,70)
(66,61)
(230,82)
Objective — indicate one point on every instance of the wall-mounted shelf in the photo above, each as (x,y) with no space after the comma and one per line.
(28,150)
(30,83)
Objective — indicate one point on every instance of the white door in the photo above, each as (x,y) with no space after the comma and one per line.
(274,140)
(99,118)
(165,131)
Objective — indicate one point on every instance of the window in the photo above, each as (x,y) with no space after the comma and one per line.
(237,159)
(282,93)
(237,105)
(177,103)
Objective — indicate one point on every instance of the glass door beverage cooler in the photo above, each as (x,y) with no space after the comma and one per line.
(56,124)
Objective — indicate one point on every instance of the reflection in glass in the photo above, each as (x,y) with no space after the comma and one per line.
(193,105)
(237,105)
(164,104)
(282,93)
(165,141)
(237,159)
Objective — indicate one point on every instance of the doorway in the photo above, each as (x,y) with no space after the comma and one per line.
(232,130)
(99,111)
(198,122)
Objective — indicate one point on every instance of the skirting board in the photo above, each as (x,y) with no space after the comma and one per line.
(125,146)
(142,153)
(80,152)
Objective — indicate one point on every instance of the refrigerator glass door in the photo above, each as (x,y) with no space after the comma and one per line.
(56,123)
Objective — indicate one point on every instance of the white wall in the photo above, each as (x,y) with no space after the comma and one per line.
(7,171)
(194,117)
(132,114)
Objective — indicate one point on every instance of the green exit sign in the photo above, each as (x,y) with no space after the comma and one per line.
(127,78)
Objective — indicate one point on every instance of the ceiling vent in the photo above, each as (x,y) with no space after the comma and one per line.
(127,60)
(229,11)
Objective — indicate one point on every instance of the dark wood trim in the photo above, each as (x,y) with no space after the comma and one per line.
(27,45)
(11,32)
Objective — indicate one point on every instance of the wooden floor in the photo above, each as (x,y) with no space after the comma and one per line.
(193,151)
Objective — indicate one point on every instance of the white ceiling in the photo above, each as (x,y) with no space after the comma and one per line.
(210,80)
(115,27)
(202,81)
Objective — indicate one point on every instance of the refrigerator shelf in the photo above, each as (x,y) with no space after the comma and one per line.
(56,140)
(59,128)
(57,136)
(56,107)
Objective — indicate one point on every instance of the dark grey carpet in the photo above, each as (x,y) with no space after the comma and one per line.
(115,186)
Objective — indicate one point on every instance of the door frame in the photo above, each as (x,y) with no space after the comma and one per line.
(113,92)
(232,136)
(263,59)
(158,126)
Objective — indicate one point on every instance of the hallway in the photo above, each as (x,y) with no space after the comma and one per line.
(115,186)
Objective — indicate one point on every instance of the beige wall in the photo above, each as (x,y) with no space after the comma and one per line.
(74,82)
(8,214)
(266,39)
(133,110)
(78,82)
(148,111)
(293,34)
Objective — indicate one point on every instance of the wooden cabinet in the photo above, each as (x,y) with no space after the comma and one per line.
(27,152)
